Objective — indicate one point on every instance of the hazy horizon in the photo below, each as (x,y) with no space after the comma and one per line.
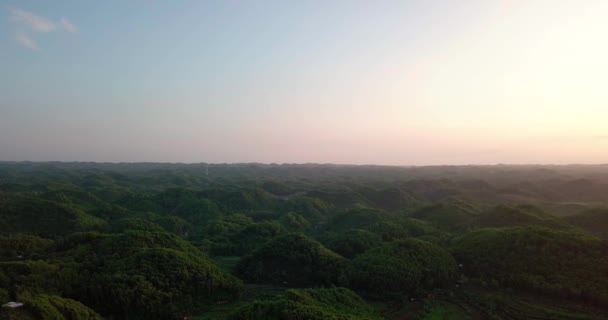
(347,82)
(305,164)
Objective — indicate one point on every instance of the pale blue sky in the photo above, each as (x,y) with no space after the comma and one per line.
(387,82)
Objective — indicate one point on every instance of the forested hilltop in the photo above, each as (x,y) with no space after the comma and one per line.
(297,242)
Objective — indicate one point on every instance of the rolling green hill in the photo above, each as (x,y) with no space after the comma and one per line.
(546,261)
(30,214)
(293,260)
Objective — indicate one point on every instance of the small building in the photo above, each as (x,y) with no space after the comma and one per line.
(13,305)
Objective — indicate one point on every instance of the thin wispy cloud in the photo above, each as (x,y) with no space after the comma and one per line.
(25,41)
(26,20)
(31,20)
(67,25)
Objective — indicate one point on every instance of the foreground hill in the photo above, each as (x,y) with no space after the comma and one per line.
(309,304)
(50,307)
(409,267)
(293,260)
(546,261)
(131,275)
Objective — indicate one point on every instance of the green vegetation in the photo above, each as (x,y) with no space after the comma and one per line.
(253,241)
(353,242)
(444,311)
(57,308)
(50,307)
(594,221)
(522,215)
(29,214)
(26,246)
(453,215)
(294,260)
(564,264)
(408,267)
(309,304)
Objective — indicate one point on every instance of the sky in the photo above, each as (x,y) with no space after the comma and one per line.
(357,82)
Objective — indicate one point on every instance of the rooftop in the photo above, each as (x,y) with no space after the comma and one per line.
(13,304)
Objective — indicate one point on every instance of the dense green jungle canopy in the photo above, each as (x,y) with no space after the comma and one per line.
(309,241)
